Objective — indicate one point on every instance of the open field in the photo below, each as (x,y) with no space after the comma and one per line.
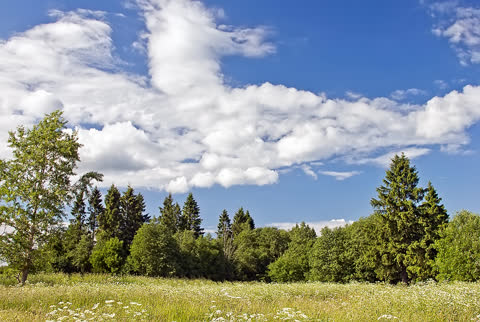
(103,297)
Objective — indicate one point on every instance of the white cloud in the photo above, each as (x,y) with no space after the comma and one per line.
(461,26)
(401,94)
(384,160)
(317,225)
(340,176)
(308,171)
(183,126)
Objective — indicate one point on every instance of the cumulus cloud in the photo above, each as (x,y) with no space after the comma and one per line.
(317,225)
(183,126)
(461,26)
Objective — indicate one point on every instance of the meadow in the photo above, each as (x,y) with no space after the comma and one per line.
(61,297)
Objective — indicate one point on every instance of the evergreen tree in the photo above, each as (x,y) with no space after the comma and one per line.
(170,214)
(242,221)
(95,211)
(433,219)
(109,220)
(190,219)
(225,235)
(398,207)
(131,208)
(78,213)
(74,232)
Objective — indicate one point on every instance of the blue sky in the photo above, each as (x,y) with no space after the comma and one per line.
(289,111)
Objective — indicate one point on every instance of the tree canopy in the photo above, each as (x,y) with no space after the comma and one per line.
(35,186)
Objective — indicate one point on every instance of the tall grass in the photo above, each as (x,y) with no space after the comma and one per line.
(105,297)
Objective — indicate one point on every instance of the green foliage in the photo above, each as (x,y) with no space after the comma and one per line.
(256,249)
(407,228)
(241,222)
(433,219)
(170,214)
(34,187)
(154,251)
(363,247)
(109,220)
(225,235)
(81,254)
(293,265)
(200,257)
(459,249)
(329,259)
(107,255)
(131,208)
(95,210)
(190,219)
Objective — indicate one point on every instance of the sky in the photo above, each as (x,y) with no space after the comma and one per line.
(292,112)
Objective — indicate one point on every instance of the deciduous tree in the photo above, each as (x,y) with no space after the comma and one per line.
(34,187)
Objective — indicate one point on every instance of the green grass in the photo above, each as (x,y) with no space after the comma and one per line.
(124,298)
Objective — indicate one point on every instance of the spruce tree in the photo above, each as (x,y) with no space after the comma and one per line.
(170,214)
(95,211)
(190,219)
(242,221)
(131,207)
(433,220)
(398,207)
(109,221)
(225,235)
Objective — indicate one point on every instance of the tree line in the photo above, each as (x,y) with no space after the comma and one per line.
(407,238)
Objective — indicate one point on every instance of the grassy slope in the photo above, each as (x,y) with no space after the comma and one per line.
(137,298)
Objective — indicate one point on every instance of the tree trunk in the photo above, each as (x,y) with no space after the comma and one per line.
(25,274)
(404,275)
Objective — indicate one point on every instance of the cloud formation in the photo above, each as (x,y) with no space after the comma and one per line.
(183,126)
(461,26)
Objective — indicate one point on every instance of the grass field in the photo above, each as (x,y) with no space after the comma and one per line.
(102,297)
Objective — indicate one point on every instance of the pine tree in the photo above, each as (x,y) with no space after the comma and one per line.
(190,219)
(109,221)
(170,214)
(397,205)
(95,211)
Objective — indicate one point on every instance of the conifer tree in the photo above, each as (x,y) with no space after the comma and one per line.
(225,235)
(398,207)
(95,211)
(242,221)
(433,219)
(190,219)
(170,214)
(109,221)
(131,207)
